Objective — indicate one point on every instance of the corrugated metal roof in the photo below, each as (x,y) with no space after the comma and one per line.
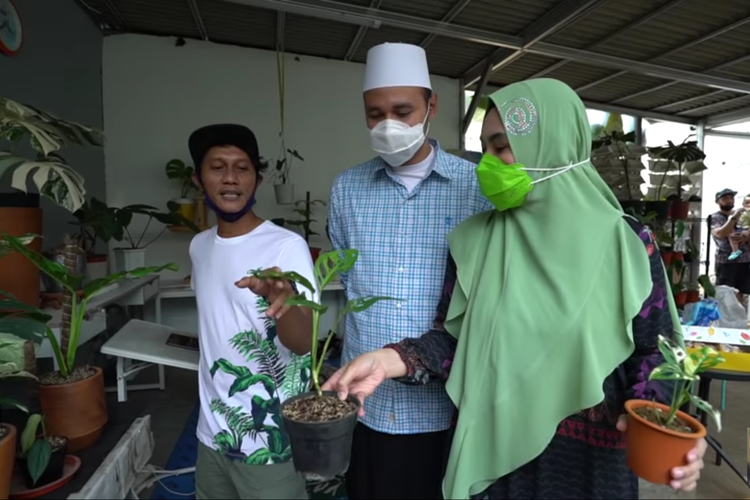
(689,35)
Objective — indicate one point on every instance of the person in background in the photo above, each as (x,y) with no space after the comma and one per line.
(243,452)
(397,210)
(539,349)
(736,272)
(743,224)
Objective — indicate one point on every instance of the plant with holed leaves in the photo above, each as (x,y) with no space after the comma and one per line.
(47,134)
(181,173)
(65,350)
(684,369)
(328,266)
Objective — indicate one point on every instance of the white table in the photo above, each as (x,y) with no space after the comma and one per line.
(136,292)
(140,344)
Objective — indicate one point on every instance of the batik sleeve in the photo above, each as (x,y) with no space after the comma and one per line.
(428,358)
(653,320)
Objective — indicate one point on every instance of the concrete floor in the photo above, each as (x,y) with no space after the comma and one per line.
(170,409)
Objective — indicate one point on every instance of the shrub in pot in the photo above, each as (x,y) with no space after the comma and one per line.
(660,436)
(42,457)
(321,426)
(72,398)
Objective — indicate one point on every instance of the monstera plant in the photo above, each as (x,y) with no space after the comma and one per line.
(47,135)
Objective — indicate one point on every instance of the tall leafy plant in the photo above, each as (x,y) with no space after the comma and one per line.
(328,266)
(47,135)
(65,350)
(182,174)
(679,157)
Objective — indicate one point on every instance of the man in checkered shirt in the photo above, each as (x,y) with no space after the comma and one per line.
(397,210)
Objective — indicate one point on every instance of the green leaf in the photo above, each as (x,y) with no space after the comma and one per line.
(335,262)
(287,275)
(5,248)
(30,433)
(363,303)
(38,459)
(140,272)
(53,269)
(259,457)
(25,328)
(302,301)
(708,409)
(10,403)
(241,384)
(229,368)
(671,351)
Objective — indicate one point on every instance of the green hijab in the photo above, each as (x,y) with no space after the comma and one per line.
(545,295)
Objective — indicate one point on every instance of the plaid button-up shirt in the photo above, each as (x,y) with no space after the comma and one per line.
(401,238)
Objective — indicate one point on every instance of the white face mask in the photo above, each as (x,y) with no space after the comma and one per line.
(396,142)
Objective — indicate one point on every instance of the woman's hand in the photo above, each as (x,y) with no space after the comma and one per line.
(365,373)
(684,478)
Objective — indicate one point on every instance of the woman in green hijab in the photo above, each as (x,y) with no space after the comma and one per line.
(549,320)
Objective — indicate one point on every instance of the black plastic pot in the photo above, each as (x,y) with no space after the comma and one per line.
(660,208)
(52,473)
(632,207)
(321,450)
(19,199)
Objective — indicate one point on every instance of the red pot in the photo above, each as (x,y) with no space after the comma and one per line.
(314,253)
(678,257)
(680,299)
(693,296)
(679,210)
(666,256)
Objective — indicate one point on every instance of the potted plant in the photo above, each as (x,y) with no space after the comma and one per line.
(687,159)
(176,170)
(133,255)
(42,457)
(693,294)
(22,126)
(660,436)
(618,160)
(95,222)
(320,426)
(666,244)
(283,188)
(304,208)
(72,398)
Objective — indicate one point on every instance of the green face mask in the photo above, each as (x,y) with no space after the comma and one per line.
(505,186)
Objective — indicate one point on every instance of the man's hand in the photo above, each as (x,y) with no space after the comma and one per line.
(738,213)
(683,478)
(275,291)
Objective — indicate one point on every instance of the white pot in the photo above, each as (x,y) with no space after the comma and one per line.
(96,269)
(127,259)
(284,193)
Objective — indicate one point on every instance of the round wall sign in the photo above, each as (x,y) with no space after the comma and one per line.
(11,32)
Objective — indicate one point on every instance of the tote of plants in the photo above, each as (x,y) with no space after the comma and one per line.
(72,398)
(320,426)
(660,436)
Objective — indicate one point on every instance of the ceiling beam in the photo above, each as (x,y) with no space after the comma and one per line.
(729,118)
(198,20)
(121,21)
(354,14)
(743,99)
(474,104)
(638,22)
(692,43)
(563,14)
(689,100)
(450,16)
(649,90)
(360,35)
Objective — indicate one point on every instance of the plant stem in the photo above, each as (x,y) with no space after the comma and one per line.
(69,254)
(676,398)
(148,223)
(157,237)
(315,369)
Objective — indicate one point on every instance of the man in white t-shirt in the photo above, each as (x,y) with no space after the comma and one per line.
(254,349)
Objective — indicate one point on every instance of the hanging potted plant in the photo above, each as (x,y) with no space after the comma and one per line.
(50,174)
(304,208)
(319,424)
(660,436)
(618,161)
(685,159)
(177,171)
(283,188)
(72,398)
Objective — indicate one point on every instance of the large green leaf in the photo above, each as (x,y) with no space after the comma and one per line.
(140,272)
(30,432)
(5,248)
(53,269)
(363,303)
(287,275)
(707,409)
(302,301)
(37,460)
(24,328)
(334,262)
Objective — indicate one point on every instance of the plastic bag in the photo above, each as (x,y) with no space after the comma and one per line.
(731,312)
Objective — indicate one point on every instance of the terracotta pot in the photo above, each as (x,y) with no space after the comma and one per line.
(693,296)
(679,210)
(314,253)
(7,459)
(17,274)
(678,257)
(667,256)
(76,411)
(654,451)
(680,299)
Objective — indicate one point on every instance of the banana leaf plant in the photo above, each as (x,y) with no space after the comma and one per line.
(328,266)
(684,370)
(70,282)
(47,134)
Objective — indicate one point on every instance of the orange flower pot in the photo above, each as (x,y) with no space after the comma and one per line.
(680,299)
(7,459)
(666,256)
(693,296)
(678,257)
(654,451)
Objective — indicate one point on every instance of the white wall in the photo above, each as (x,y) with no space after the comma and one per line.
(156,94)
